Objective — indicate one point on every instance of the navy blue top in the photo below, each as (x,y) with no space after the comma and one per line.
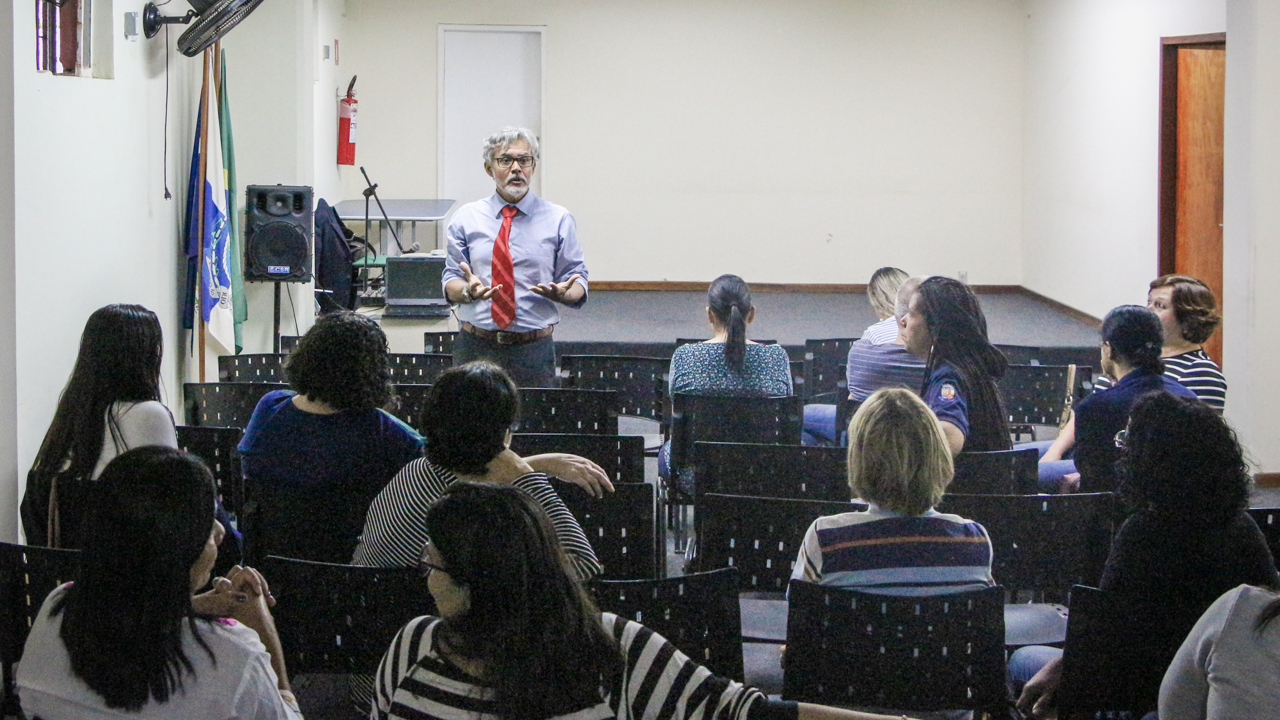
(325,469)
(944,397)
(1103,414)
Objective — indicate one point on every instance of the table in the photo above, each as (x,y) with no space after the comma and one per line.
(399,212)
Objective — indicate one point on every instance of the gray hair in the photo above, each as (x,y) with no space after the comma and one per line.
(906,291)
(502,139)
(882,291)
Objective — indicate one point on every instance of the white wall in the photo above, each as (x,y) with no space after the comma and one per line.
(8,351)
(1092,144)
(91,222)
(800,141)
(1251,225)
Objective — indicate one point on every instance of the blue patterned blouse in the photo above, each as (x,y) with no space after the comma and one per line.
(701,368)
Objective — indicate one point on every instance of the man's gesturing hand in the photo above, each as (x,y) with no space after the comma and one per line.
(475,286)
(560,292)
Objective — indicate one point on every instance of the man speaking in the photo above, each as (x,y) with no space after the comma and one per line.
(512,257)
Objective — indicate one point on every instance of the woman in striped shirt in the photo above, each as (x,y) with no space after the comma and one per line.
(518,638)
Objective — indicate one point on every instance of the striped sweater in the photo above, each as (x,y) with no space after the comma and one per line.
(1195,371)
(394,534)
(883,552)
(658,682)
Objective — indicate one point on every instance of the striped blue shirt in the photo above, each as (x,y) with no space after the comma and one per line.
(880,551)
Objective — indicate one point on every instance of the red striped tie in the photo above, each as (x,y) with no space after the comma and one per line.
(503,309)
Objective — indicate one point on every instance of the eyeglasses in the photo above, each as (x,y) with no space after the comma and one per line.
(505,161)
(1122,439)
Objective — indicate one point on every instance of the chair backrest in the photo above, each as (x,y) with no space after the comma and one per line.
(27,575)
(641,382)
(1020,354)
(319,523)
(1268,520)
(227,404)
(698,613)
(568,410)
(1042,543)
(797,377)
(622,527)
(410,403)
(255,367)
(721,418)
(288,343)
(621,456)
(777,471)
(759,536)
(996,472)
(823,360)
(418,368)
(1110,660)
(846,647)
(1035,395)
(216,446)
(341,618)
(439,342)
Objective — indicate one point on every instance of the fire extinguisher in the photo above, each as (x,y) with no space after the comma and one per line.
(347,126)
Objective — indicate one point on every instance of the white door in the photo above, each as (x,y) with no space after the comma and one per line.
(490,77)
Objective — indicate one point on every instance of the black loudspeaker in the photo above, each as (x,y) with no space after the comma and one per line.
(277,234)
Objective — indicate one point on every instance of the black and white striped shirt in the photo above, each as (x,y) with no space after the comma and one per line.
(658,682)
(394,534)
(1195,371)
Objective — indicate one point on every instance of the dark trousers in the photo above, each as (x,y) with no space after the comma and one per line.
(532,365)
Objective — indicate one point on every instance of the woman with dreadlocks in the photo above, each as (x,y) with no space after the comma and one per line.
(944,325)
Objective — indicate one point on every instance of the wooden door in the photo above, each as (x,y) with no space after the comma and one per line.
(1191,164)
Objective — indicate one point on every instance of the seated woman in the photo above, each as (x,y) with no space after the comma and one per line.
(1188,540)
(468,419)
(945,327)
(111,403)
(900,465)
(1131,357)
(1226,668)
(1188,316)
(324,448)
(517,636)
(128,639)
(882,293)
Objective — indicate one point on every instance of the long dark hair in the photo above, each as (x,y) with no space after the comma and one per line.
(730,300)
(122,620)
(1182,458)
(959,329)
(536,631)
(469,410)
(119,361)
(342,362)
(1135,336)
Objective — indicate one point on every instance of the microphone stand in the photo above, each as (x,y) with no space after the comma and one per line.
(372,192)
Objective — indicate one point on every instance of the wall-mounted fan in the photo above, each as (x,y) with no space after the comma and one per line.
(213,19)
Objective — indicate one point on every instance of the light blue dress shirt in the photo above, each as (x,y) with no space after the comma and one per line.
(544,248)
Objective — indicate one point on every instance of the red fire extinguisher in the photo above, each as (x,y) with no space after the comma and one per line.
(347,126)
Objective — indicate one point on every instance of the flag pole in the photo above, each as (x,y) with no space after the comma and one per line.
(204,147)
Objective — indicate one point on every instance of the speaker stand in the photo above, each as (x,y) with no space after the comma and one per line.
(275,323)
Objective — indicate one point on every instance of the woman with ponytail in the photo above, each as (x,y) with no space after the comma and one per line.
(728,363)
(1131,343)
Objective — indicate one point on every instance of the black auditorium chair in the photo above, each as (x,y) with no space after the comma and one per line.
(944,652)
(256,367)
(620,456)
(1268,520)
(641,382)
(439,342)
(409,403)
(568,410)
(698,613)
(27,575)
(228,404)
(341,618)
(824,369)
(622,527)
(797,378)
(1037,395)
(763,470)
(1020,354)
(216,446)
(418,369)
(996,472)
(759,536)
(288,343)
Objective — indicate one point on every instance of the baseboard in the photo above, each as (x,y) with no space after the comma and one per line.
(1266,480)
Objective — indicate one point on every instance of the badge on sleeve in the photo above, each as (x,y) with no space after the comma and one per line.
(948,391)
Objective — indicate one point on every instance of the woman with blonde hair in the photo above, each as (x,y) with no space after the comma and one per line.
(900,464)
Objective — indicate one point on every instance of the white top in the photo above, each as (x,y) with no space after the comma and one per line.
(240,687)
(1224,669)
(139,424)
(883,332)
